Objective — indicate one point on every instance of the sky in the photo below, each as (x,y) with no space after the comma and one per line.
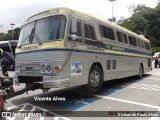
(15,11)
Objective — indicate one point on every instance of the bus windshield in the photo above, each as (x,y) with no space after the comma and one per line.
(46,29)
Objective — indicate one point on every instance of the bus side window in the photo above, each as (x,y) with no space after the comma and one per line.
(132,41)
(90,37)
(5,47)
(76,29)
(147,45)
(140,43)
(106,32)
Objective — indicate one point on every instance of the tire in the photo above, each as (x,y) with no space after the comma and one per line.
(140,73)
(95,80)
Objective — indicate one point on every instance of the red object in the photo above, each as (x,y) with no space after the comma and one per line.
(1,102)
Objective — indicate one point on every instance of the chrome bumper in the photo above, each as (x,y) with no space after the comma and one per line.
(51,82)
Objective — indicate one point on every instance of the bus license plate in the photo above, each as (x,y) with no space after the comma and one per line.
(29,69)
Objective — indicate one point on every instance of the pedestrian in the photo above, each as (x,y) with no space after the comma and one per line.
(156,62)
(4,64)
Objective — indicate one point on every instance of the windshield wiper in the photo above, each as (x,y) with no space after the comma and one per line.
(38,39)
(24,41)
(31,37)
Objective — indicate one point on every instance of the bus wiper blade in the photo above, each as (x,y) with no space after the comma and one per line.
(30,35)
(38,39)
(33,34)
(24,41)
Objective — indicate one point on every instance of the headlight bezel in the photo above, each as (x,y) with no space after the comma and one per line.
(46,68)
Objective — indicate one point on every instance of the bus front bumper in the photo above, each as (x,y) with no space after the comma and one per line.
(51,82)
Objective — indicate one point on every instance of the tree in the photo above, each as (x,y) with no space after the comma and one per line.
(145,20)
(136,23)
(8,35)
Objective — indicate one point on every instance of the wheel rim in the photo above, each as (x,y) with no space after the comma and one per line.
(94,79)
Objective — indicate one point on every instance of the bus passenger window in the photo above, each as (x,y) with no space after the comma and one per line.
(140,43)
(119,36)
(147,45)
(125,38)
(90,37)
(108,64)
(132,41)
(75,28)
(106,32)
(114,64)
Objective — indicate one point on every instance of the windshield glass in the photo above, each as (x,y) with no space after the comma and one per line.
(46,29)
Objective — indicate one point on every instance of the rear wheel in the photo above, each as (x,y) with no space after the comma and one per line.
(95,80)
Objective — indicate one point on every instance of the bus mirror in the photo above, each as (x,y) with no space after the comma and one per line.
(74,37)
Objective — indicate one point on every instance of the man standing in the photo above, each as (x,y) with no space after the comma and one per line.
(156,62)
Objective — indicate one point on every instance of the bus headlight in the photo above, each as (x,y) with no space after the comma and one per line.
(49,68)
(46,68)
(18,69)
(43,69)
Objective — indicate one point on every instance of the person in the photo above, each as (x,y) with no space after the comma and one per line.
(156,62)
(4,64)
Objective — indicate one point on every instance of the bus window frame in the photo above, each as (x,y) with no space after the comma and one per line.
(68,33)
(89,39)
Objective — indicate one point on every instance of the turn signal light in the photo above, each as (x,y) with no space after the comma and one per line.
(57,68)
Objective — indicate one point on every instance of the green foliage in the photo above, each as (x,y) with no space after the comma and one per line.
(145,20)
(155,49)
(8,35)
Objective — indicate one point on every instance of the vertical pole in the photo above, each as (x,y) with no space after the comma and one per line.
(112,11)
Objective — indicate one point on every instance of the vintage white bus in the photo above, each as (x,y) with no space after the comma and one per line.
(62,47)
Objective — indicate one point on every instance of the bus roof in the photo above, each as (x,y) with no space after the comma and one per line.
(83,15)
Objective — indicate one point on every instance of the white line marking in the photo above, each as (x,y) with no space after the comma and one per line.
(152,78)
(126,101)
(139,86)
(34,107)
(9,108)
(155,86)
(150,87)
(19,110)
(142,86)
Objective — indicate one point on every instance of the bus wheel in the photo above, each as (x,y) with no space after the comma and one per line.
(140,71)
(95,80)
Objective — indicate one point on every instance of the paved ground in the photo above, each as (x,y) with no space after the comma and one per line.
(129,94)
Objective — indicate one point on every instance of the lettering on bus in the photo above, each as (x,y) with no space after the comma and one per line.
(30,47)
(117,48)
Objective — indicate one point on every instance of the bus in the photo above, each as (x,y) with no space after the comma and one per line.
(62,47)
(9,51)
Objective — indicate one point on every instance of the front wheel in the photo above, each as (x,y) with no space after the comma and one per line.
(95,80)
